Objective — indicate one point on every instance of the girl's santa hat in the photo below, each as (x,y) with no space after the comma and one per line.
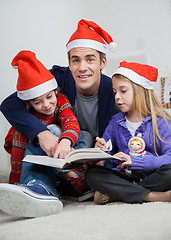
(90,35)
(141,74)
(34,79)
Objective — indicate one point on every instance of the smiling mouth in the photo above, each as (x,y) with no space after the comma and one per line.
(48,110)
(83,77)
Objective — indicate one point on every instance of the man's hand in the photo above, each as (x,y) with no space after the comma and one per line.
(48,142)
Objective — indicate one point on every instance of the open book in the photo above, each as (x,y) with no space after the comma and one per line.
(74,159)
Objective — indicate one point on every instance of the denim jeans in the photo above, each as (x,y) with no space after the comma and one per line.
(47,176)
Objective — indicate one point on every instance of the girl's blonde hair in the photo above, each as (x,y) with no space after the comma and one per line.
(147,103)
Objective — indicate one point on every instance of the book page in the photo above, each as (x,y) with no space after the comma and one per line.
(45,160)
(87,154)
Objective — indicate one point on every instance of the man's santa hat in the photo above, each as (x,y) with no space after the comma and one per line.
(141,74)
(90,35)
(34,79)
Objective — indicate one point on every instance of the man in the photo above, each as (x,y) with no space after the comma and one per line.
(89,92)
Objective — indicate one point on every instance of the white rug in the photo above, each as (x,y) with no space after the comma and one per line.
(87,221)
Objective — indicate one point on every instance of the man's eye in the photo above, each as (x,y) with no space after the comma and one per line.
(75,60)
(90,60)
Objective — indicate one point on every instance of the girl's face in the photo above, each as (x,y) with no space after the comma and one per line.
(45,104)
(124,94)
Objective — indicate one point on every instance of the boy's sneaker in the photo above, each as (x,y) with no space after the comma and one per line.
(28,200)
(76,189)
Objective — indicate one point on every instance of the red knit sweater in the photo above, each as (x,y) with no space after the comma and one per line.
(16,142)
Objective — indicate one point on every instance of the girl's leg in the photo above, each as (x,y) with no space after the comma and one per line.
(159,183)
(115,184)
(158,197)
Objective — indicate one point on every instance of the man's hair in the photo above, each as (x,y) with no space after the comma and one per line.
(102,55)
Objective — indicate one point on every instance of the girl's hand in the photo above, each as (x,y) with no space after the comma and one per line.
(127,161)
(63,148)
(100,143)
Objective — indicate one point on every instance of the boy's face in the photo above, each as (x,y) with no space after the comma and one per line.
(45,104)
(86,69)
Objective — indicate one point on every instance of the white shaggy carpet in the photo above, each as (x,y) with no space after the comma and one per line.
(87,221)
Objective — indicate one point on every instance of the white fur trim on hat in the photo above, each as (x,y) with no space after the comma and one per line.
(38,91)
(135,77)
(88,44)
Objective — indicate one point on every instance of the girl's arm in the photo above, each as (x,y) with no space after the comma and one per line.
(151,162)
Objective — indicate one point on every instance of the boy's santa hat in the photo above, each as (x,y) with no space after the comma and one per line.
(90,35)
(141,74)
(34,79)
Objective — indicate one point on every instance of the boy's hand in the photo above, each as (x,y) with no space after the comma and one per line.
(63,148)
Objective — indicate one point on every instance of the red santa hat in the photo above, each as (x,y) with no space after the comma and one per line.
(141,74)
(34,79)
(90,35)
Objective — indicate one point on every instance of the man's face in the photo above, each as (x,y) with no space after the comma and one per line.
(86,69)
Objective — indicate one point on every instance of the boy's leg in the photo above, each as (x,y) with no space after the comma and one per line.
(36,195)
(38,174)
(85,140)
(76,188)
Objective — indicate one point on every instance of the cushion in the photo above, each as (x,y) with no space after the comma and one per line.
(166,92)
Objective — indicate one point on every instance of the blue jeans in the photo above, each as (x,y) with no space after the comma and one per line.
(47,176)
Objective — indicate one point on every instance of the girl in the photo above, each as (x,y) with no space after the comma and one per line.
(137,177)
